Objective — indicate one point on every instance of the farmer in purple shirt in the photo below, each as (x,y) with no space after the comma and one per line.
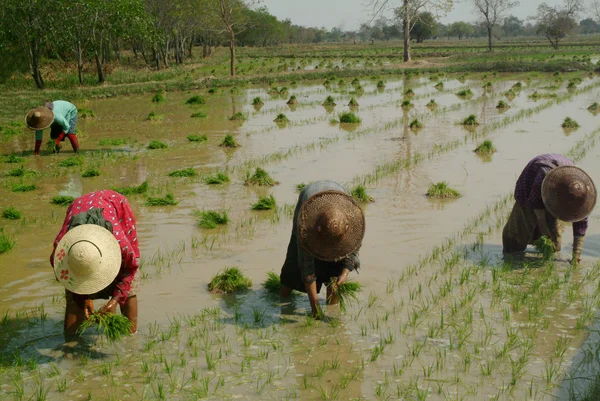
(550,189)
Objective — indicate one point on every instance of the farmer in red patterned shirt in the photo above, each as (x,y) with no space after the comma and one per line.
(96,256)
(550,189)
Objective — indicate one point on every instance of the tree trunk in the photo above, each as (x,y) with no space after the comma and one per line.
(80,62)
(489,29)
(406,27)
(99,67)
(156,58)
(204,50)
(232,52)
(35,64)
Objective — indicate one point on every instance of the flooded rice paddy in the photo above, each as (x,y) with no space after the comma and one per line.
(440,317)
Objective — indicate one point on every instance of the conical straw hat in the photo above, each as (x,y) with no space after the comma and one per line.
(331,225)
(39,118)
(87,259)
(568,193)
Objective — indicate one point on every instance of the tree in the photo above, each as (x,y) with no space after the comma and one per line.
(512,26)
(492,12)
(425,28)
(557,22)
(460,29)
(588,26)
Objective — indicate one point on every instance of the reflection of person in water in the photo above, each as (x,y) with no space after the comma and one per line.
(327,233)
(96,257)
(60,116)
(549,189)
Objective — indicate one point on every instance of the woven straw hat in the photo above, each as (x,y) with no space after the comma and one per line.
(87,259)
(331,225)
(39,118)
(569,194)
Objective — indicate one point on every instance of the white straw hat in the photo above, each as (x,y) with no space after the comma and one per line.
(87,259)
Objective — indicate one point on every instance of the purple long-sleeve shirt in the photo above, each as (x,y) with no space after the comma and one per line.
(528,191)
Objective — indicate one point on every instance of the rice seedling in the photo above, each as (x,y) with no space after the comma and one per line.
(211,218)
(199,114)
(6,242)
(257,102)
(112,142)
(152,116)
(487,86)
(260,178)
(229,142)
(510,94)
(197,99)
(293,101)
(72,161)
(441,190)
(265,203)
(300,187)
(13,159)
(16,172)
(594,107)
(346,292)
(91,172)
(570,123)
(517,86)
(273,283)
(111,325)
(464,93)
(281,119)
(216,179)
(167,200)
(502,105)
(132,190)
(432,103)
(329,102)
(470,121)
(186,172)
(231,279)
(409,92)
(62,200)
(485,148)
(11,213)
(407,104)
(349,118)
(415,124)
(197,138)
(159,97)
(353,103)
(359,193)
(545,246)
(85,113)
(239,116)
(155,144)
(380,85)
(23,187)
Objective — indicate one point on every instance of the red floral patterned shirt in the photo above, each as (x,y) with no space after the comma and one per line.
(118,212)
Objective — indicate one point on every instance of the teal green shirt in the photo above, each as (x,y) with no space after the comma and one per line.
(63,114)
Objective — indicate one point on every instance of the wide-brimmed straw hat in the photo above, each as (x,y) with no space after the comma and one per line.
(331,225)
(569,194)
(39,118)
(87,259)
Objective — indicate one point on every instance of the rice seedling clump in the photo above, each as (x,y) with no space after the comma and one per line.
(409,93)
(158,97)
(231,279)
(329,101)
(545,246)
(11,213)
(273,283)
(16,172)
(157,145)
(441,190)
(152,116)
(300,187)
(197,138)
(488,85)
(353,103)
(260,178)
(380,85)
(167,200)
(91,172)
(257,101)
(349,118)
(85,113)
(464,93)
(199,114)
(211,218)
(239,116)
(186,172)
(359,193)
(72,161)
(347,292)
(216,179)
(229,142)
(62,200)
(6,242)
(432,103)
(111,325)
(133,189)
(12,158)
(502,105)
(197,99)
(486,148)
(292,101)
(281,118)
(407,104)
(23,187)
(439,86)
(594,107)
(415,124)
(570,123)
(470,121)
(265,203)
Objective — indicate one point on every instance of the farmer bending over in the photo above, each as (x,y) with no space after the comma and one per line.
(96,257)
(549,189)
(60,116)
(327,233)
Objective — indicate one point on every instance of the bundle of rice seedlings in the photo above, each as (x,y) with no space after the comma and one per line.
(231,279)
(545,246)
(294,83)
(273,283)
(359,193)
(487,86)
(257,102)
(327,82)
(167,200)
(409,92)
(349,118)
(239,116)
(518,85)
(461,79)
(6,242)
(594,107)
(355,81)
(157,145)
(329,102)
(502,105)
(441,190)
(216,179)
(85,113)
(281,119)
(111,325)
(464,93)
(439,86)
(91,172)
(273,91)
(283,91)
(486,148)
(347,292)
(292,101)
(62,200)
(470,121)
(12,158)
(23,187)
(510,94)
(265,203)
(11,213)
(51,146)
(353,103)
(212,91)
(415,124)
(570,123)
(197,99)
(197,138)
(152,116)
(260,178)
(341,82)
(211,218)
(300,187)
(132,190)
(380,85)
(16,172)
(186,172)
(432,103)
(158,97)
(199,114)
(407,104)
(229,142)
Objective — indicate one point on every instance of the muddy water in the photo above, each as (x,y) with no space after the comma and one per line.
(402,225)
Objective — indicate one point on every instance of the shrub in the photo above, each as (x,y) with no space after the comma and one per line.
(11,213)
(91,172)
(197,99)
(502,105)
(265,203)
(485,148)
(211,218)
(229,142)
(432,103)
(132,190)
(216,179)
(545,246)
(442,190)
(257,101)
(239,116)
(415,124)
(62,200)
(594,107)
(85,113)
(187,172)
(6,242)
(23,188)
(349,118)
(260,178)
(273,283)
(570,123)
(167,200)
(464,93)
(409,92)
(158,97)
(199,114)
(353,103)
(359,193)
(157,145)
(471,120)
(197,138)
(407,104)
(329,102)
(231,279)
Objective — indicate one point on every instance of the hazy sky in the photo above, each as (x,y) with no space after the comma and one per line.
(349,14)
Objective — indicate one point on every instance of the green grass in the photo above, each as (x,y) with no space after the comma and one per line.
(72,161)
(111,325)
(260,178)
(23,188)
(211,218)
(416,124)
(281,119)
(432,103)
(112,142)
(239,116)
(186,172)
(594,107)
(154,144)
(13,159)
(197,99)
(485,148)
(231,279)
(441,190)
(570,123)
(347,292)
(91,172)
(502,105)
(199,114)
(407,104)
(349,118)
(464,93)
(159,97)
(6,242)
(167,200)
(470,121)
(265,203)
(62,200)
(272,284)
(197,138)
(545,246)
(229,142)
(329,101)
(353,103)
(257,101)
(11,213)
(300,187)
(85,113)
(133,189)
(216,179)
(359,193)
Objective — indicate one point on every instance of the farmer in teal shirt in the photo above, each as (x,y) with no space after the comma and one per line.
(60,116)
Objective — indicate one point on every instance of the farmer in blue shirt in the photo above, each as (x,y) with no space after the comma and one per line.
(60,116)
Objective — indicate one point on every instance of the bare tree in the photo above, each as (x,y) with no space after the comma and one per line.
(408,12)
(557,22)
(492,12)
(595,10)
